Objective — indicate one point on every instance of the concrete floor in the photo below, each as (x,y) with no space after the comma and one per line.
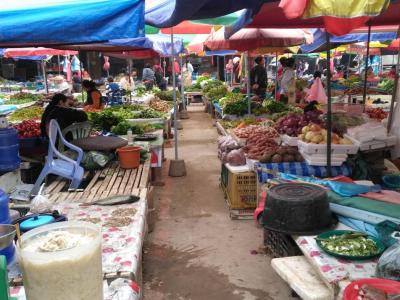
(195,251)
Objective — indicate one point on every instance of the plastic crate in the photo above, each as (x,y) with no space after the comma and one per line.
(242,190)
(309,148)
(224,176)
(280,244)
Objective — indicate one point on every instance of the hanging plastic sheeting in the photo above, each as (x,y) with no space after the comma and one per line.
(167,13)
(253,38)
(112,45)
(44,23)
(271,15)
(320,44)
(35,51)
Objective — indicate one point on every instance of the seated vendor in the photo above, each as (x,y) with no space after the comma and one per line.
(60,109)
(94,97)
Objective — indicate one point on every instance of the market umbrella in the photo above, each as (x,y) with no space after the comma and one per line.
(253,38)
(47,23)
(197,44)
(272,15)
(36,51)
(394,45)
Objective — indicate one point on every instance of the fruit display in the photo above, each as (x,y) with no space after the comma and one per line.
(315,134)
(377,113)
(21,98)
(259,145)
(293,123)
(33,112)
(282,154)
(161,105)
(256,130)
(28,129)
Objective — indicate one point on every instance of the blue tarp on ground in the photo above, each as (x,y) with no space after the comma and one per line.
(320,44)
(167,13)
(46,23)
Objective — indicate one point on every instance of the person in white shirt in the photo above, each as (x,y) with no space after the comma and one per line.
(187,71)
(61,85)
(287,77)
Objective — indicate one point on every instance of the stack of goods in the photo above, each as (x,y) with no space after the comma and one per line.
(371,135)
(312,145)
(226,146)
(291,125)
(28,129)
(282,154)
(255,130)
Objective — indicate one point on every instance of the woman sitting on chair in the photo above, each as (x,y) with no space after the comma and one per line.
(94,98)
(60,109)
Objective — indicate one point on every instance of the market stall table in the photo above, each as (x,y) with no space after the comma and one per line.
(100,143)
(189,96)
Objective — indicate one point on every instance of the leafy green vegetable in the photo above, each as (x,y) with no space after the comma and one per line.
(217,92)
(21,98)
(350,244)
(34,112)
(167,95)
(212,83)
(148,113)
(273,106)
(140,90)
(105,119)
(387,85)
(122,128)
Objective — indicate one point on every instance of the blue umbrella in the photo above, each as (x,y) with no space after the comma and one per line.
(38,22)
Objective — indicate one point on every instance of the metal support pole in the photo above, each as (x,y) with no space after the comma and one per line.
(46,87)
(329,112)
(130,77)
(366,67)
(58,59)
(247,63)
(80,68)
(276,75)
(174,95)
(394,95)
(182,86)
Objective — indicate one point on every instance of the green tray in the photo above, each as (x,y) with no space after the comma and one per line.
(328,234)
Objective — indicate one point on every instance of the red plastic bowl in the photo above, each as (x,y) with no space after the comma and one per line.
(389,286)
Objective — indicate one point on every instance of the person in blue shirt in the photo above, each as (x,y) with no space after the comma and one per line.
(111,87)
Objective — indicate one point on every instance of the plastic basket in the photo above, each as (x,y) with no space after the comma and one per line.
(242,190)
(280,244)
(224,176)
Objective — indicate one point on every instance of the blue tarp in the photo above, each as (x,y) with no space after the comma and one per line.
(220,53)
(320,44)
(167,13)
(161,43)
(48,23)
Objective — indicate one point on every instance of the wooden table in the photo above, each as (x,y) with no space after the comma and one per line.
(110,181)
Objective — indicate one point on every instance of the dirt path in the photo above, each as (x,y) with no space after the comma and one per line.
(195,251)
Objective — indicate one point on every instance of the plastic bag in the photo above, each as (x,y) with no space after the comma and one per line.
(40,203)
(94,160)
(389,263)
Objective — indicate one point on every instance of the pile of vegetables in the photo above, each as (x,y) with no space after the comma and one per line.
(140,90)
(315,134)
(258,145)
(350,244)
(122,128)
(161,105)
(293,123)
(148,113)
(33,112)
(233,104)
(105,119)
(217,92)
(239,123)
(387,85)
(377,113)
(21,98)
(251,130)
(81,97)
(211,83)
(226,144)
(28,129)
(167,95)
(282,154)
(342,121)
(272,106)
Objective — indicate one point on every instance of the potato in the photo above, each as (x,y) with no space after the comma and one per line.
(305,129)
(309,136)
(288,158)
(276,158)
(299,157)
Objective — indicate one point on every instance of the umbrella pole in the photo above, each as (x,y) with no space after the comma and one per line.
(276,75)
(46,87)
(329,110)
(58,59)
(247,63)
(81,72)
(394,95)
(130,83)
(182,87)
(176,167)
(366,67)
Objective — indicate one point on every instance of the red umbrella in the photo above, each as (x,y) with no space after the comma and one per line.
(272,15)
(197,44)
(394,45)
(187,27)
(39,51)
(250,39)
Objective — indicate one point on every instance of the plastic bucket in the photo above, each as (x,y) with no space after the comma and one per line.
(129,157)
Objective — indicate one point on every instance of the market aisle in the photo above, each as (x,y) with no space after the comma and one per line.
(195,251)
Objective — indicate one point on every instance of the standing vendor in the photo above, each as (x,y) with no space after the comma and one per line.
(94,97)
(60,109)
(258,77)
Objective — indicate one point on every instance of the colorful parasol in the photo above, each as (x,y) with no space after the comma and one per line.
(39,51)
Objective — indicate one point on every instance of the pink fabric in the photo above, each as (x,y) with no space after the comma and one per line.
(253,38)
(384,195)
(39,51)
(317,92)
(293,9)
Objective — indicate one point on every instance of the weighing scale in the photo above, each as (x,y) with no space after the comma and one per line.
(4,288)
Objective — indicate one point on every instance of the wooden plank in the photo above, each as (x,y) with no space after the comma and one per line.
(91,188)
(49,189)
(106,191)
(131,182)
(117,183)
(124,182)
(145,178)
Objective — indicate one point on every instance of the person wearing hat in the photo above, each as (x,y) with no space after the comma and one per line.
(62,85)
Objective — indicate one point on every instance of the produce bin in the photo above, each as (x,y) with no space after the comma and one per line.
(241,190)
(280,244)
